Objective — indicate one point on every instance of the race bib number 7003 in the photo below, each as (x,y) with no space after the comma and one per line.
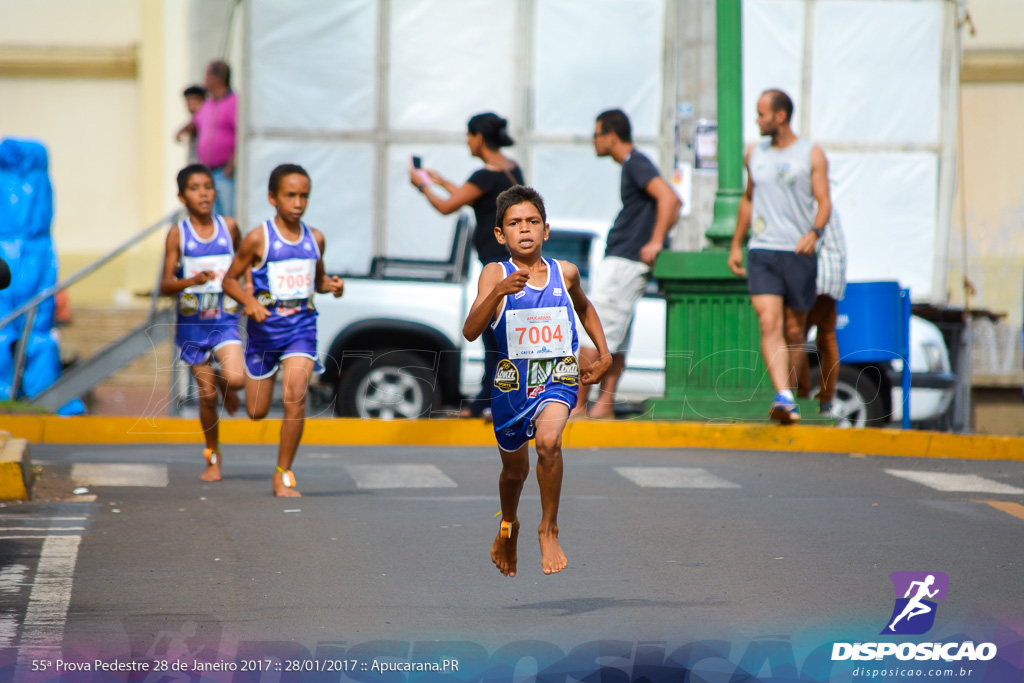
(218,264)
(538,332)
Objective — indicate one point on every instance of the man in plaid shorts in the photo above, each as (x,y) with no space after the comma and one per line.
(831,286)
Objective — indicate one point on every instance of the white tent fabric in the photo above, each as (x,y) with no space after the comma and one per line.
(889,53)
(448,62)
(595,56)
(302,75)
(887,203)
(773,51)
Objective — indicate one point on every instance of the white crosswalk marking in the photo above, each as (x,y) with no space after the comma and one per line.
(399,477)
(966,483)
(103,474)
(675,478)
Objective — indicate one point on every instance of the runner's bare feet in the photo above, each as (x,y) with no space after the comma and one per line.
(281,488)
(503,551)
(552,559)
(231,401)
(212,471)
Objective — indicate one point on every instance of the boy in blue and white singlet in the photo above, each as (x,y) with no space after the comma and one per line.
(197,254)
(529,301)
(286,257)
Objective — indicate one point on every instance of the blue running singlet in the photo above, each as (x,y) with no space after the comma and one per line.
(206,318)
(283,282)
(538,347)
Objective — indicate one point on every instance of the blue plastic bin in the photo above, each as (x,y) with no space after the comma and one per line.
(870,322)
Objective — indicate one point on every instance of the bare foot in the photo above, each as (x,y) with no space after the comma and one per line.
(212,471)
(503,551)
(282,489)
(552,559)
(231,401)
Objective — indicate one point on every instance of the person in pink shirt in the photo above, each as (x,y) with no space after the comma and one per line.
(215,123)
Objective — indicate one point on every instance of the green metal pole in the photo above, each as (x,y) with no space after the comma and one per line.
(729,26)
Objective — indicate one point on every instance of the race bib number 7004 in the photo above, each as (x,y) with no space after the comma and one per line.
(538,332)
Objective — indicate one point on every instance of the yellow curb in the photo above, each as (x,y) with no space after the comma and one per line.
(16,474)
(578,434)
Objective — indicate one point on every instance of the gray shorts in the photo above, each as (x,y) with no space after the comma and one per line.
(618,285)
(783,273)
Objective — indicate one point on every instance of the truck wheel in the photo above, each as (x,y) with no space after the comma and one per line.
(394,384)
(858,401)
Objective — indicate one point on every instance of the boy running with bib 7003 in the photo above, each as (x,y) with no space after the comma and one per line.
(197,253)
(286,257)
(529,302)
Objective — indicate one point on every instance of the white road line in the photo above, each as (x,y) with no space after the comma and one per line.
(399,477)
(16,538)
(106,474)
(945,481)
(12,578)
(42,528)
(51,593)
(675,478)
(36,517)
(8,630)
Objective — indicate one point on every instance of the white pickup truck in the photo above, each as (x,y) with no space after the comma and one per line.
(393,345)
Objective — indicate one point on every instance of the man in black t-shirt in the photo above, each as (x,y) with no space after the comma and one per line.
(649,209)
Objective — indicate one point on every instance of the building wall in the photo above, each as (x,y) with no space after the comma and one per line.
(988,235)
(100,85)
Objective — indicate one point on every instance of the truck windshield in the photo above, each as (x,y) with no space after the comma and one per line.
(572,247)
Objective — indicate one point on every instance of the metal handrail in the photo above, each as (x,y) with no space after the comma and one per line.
(29,307)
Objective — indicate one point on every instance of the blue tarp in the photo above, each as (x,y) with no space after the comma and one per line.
(26,213)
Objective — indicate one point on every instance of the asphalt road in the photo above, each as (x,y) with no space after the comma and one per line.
(392,544)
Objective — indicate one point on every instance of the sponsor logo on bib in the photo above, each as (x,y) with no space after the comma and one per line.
(263,298)
(506,376)
(539,371)
(188,304)
(567,371)
(209,307)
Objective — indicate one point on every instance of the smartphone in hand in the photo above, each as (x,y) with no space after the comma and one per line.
(417,165)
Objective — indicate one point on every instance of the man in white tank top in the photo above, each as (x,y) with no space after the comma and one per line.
(786,207)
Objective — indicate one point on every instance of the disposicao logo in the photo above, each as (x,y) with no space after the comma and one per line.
(914,614)
(914,611)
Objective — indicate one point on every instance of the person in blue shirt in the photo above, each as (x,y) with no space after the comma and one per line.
(529,302)
(286,257)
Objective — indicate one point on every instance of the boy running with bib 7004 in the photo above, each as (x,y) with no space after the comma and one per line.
(529,302)
(286,257)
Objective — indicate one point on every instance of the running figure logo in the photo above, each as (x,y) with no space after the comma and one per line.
(914,611)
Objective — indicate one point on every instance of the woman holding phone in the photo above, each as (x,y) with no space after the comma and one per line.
(486,135)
